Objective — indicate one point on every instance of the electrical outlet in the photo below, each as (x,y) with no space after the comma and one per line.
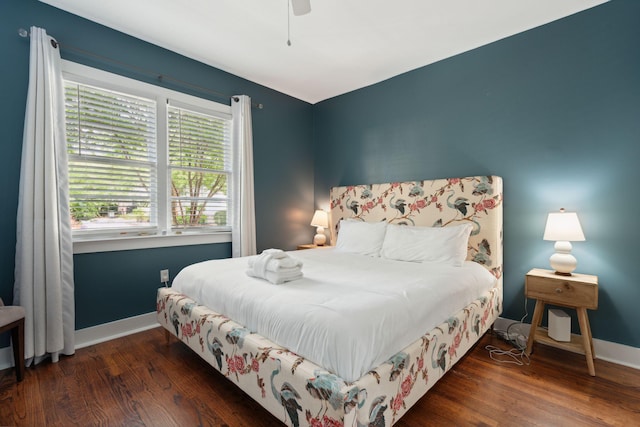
(164,276)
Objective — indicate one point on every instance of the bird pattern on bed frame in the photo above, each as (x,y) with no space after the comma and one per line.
(435,203)
(303,393)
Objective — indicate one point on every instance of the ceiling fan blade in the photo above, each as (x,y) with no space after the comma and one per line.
(301,7)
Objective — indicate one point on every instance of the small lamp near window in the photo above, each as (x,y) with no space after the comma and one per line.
(564,228)
(321,220)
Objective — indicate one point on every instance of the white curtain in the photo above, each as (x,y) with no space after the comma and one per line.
(44,249)
(243,236)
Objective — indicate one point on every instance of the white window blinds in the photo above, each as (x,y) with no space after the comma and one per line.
(145,160)
(200,167)
(111,141)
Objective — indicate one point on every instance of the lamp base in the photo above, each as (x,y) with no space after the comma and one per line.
(562,261)
(319,239)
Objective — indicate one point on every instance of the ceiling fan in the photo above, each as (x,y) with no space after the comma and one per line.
(301,7)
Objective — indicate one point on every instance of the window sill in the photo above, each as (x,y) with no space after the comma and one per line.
(147,242)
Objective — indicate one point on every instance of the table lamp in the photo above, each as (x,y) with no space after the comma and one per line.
(564,228)
(321,220)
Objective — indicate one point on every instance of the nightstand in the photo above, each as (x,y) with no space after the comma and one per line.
(311,246)
(578,291)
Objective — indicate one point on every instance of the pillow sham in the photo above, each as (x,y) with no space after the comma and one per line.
(361,237)
(446,245)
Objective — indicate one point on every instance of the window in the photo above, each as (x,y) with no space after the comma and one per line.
(111,143)
(144,160)
(200,166)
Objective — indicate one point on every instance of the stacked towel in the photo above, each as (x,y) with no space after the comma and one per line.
(275,266)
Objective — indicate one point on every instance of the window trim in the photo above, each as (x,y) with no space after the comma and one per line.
(149,242)
(165,237)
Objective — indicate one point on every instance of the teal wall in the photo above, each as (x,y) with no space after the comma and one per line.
(116,285)
(555,111)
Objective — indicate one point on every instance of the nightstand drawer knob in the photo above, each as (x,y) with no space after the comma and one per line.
(558,290)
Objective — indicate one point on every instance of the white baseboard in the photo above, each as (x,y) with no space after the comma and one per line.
(119,328)
(617,353)
(611,352)
(605,350)
(97,334)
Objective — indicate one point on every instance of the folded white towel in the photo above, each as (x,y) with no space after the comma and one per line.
(277,264)
(279,277)
(260,263)
(275,253)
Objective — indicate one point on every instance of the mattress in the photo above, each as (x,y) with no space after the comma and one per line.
(349,314)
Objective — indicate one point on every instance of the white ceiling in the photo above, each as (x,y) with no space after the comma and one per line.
(342,45)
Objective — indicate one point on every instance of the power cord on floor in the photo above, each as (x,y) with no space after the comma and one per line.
(516,355)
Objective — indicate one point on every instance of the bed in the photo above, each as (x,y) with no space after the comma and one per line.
(318,386)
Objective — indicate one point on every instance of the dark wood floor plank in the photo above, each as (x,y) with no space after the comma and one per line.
(554,390)
(139,380)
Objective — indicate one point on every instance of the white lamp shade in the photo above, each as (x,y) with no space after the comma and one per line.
(563,226)
(320,219)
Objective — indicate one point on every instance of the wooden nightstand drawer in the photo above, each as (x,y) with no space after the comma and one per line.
(576,290)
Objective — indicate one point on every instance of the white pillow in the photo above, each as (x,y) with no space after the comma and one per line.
(361,237)
(446,245)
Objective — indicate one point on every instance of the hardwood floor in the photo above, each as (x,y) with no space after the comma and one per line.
(140,381)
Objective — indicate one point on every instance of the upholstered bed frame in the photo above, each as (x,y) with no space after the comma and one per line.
(299,392)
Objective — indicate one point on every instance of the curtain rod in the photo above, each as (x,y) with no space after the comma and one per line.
(161,77)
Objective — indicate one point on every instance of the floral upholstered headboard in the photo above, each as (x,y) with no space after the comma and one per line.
(433,203)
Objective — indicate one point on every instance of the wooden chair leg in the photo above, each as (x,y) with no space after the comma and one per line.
(17,338)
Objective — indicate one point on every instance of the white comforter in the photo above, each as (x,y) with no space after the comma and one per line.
(349,314)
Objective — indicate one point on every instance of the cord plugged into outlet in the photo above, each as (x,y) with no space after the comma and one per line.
(164,277)
(515,338)
(517,334)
